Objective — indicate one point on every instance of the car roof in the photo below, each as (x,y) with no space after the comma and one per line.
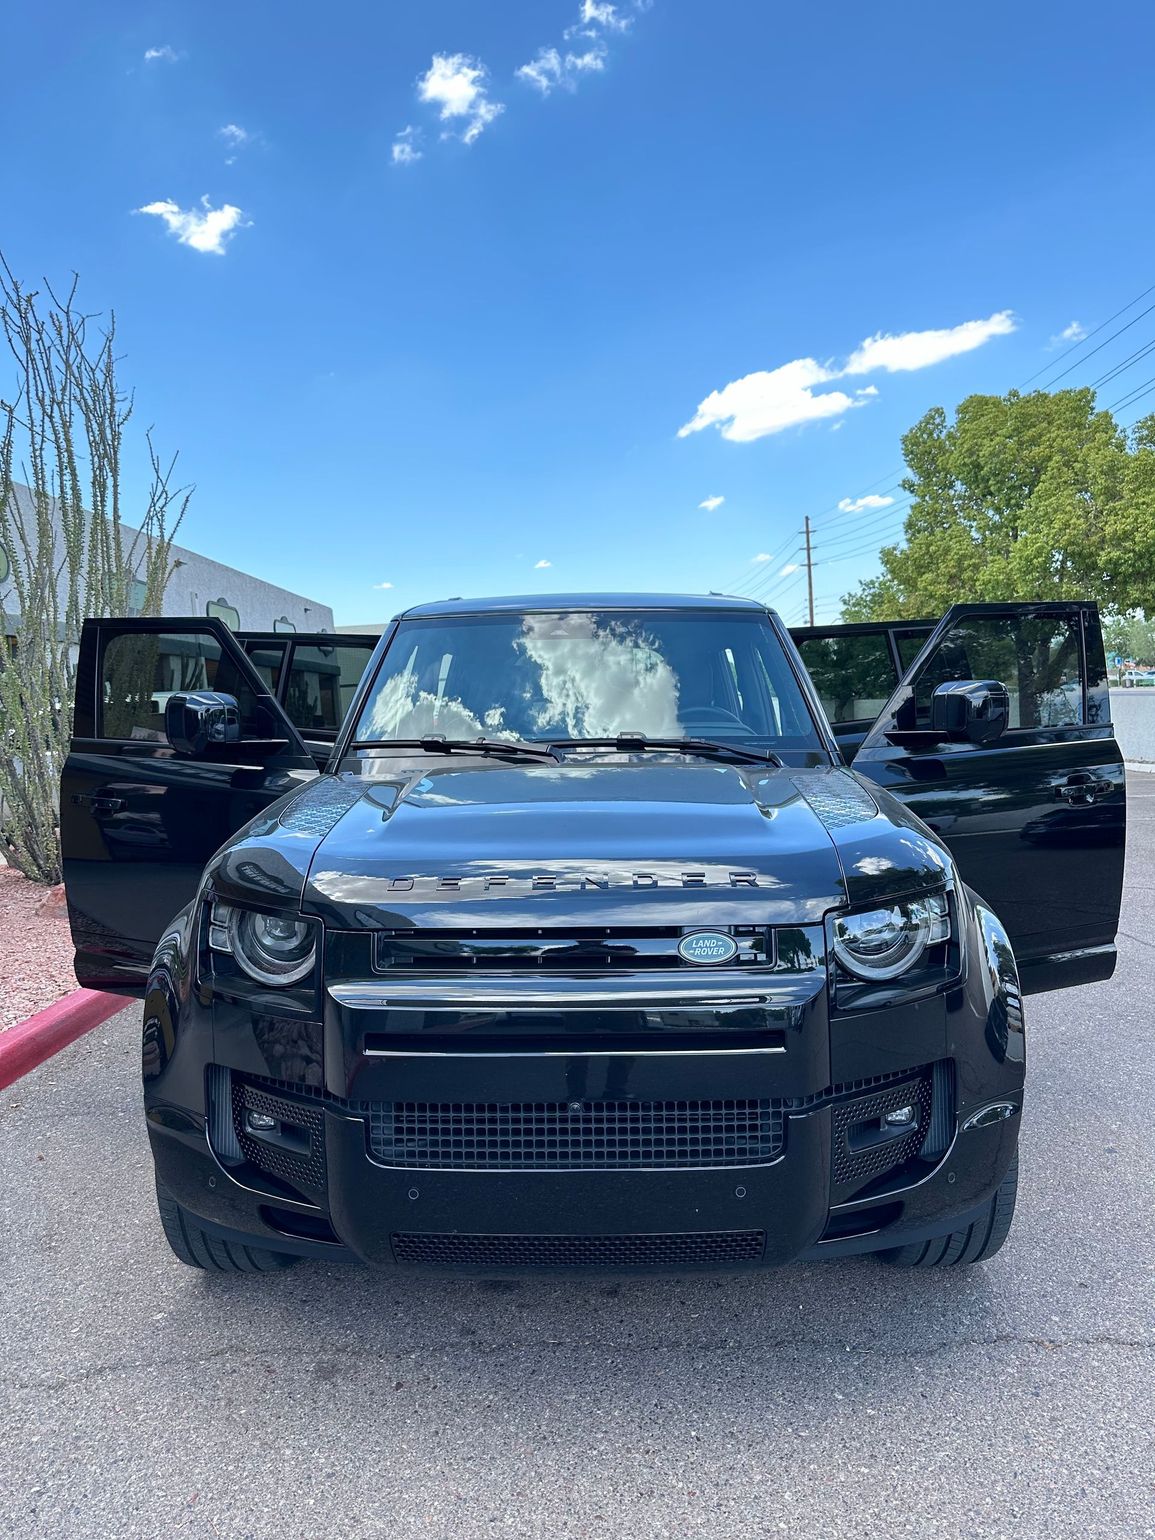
(521,604)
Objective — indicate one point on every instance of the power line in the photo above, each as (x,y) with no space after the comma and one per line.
(1077,345)
(1136,395)
(1106,341)
(1121,368)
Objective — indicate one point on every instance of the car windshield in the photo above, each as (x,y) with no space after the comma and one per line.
(589,674)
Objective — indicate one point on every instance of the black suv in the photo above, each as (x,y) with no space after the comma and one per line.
(578,944)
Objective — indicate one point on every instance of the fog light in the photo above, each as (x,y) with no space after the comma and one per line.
(900,1117)
(261,1123)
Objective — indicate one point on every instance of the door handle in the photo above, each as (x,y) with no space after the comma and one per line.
(1083,789)
(102,805)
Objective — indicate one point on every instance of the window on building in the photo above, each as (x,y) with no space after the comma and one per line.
(221,609)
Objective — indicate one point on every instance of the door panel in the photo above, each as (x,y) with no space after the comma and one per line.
(1036,820)
(138,821)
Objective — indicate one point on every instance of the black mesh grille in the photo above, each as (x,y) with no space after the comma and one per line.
(574,1136)
(302,1167)
(707,1249)
(858,1155)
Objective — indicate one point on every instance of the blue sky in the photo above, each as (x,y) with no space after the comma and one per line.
(440,358)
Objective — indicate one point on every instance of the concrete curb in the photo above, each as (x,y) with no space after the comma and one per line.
(1146,767)
(30,1042)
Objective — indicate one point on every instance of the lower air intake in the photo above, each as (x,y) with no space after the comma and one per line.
(575,1136)
(706,1249)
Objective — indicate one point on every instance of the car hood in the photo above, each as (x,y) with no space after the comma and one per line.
(637,841)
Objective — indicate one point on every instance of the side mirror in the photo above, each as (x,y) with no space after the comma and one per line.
(195,722)
(970,710)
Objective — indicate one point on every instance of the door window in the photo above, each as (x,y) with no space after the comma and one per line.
(1036,657)
(139,670)
(321,684)
(267,658)
(854,675)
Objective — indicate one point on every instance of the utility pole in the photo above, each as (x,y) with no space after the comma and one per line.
(809,574)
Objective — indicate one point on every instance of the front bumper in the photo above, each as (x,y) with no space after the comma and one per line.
(704,1141)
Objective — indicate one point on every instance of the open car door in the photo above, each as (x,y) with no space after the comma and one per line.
(139,818)
(1019,774)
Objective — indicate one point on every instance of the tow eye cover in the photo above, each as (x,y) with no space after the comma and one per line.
(707,948)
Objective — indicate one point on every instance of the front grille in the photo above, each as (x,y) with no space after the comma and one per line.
(580,949)
(705,1249)
(859,1157)
(574,1136)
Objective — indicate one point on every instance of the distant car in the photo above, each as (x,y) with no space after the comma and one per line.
(1137,678)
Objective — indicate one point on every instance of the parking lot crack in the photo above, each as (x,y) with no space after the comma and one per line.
(94,1373)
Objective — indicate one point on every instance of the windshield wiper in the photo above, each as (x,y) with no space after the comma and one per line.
(634,743)
(438,743)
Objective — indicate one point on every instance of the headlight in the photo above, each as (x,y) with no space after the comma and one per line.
(880,944)
(272,948)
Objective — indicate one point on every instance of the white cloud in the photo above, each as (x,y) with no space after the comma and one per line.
(770,400)
(552,68)
(556,67)
(542,563)
(857,504)
(235,138)
(204,229)
(917,350)
(382,585)
(762,556)
(791,566)
(457,85)
(599,13)
(165,54)
(1074,332)
(710,503)
(405,151)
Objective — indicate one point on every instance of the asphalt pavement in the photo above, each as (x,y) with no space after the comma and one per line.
(142,1398)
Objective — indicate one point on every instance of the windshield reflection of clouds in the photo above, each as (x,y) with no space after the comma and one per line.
(578,676)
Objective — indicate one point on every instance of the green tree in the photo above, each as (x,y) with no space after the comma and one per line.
(1131,636)
(1035,496)
(66,554)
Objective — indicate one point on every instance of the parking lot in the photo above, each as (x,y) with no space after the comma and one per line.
(848,1399)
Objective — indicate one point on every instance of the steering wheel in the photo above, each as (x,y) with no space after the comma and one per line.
(708,714)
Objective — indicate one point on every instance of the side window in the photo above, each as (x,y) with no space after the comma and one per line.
(910,643)
(139,670)
(1036,657)
(321,685)
(267,658)
(854,675)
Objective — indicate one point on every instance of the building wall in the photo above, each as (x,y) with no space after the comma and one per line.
(243,600)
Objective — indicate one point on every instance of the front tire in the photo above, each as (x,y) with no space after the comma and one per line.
(975,1243)
(195,1247)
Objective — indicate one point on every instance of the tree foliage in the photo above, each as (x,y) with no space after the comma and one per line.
(1037,496)
(1131,636)
(66,553)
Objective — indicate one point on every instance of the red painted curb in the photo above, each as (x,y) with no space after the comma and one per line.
(25,1046)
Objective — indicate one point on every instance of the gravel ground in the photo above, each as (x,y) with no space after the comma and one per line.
(1014,1399)
(36,954)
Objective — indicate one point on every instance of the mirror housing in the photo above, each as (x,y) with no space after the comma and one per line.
(970,710)
(199,720)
